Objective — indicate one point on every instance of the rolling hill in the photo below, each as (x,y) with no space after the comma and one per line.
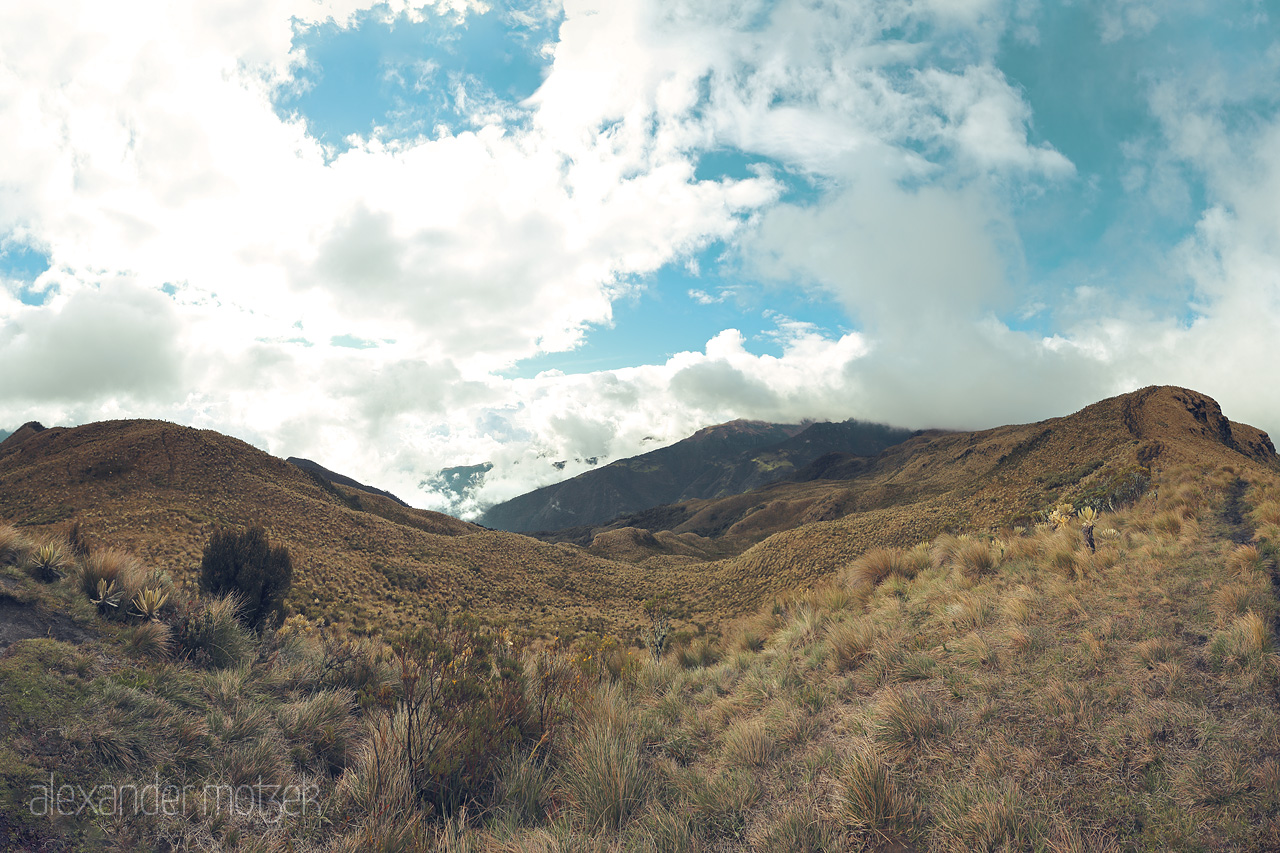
(365,561)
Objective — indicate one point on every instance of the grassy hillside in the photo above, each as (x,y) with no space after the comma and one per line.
(158,490)
(970,693)
(371,565)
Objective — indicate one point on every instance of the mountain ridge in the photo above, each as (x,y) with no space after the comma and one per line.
(728,458)
(159,489)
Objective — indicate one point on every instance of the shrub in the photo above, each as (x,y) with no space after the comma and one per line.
(464,707)
(247,564)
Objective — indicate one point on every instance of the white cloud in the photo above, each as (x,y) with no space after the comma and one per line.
(151,154)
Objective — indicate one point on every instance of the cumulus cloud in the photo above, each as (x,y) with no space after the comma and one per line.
(218,265)
(113,342)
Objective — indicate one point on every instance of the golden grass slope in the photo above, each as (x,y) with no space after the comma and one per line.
(1019,693)
(158,489)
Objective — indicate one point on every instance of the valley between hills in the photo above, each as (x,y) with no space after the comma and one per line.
(1059,636)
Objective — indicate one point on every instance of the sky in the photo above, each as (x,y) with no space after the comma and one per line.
(522,238)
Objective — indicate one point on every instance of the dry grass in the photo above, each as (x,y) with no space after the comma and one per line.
(906,719)
(878,564)
(850,642)
(1048,708)
(749,744)
(14,546)
(113,568)
(975,559)
(871,798)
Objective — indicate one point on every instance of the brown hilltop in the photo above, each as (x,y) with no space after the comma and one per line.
(159,489)
(789,535)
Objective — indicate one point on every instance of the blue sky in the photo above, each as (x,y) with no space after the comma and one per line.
(403,237)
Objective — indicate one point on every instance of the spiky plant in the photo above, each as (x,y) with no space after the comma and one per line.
(1088,518)
(1060,516)
(47,563)
(107,596)
(149,601)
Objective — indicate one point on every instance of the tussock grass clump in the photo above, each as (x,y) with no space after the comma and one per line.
(150,639)
(995,817)
(208,632)
(1168,522)
(749,744)
(1017,606)
(975,559)
(605,780)
(905,719)
(1244,644)
(720,801)
(850,641)
(700,653)
(797,827)
(1024,548)
(14,546)
(1248,561)
(973,650)
(878,564)
(1155,651)
(750,640)
(836,598)
(871,798)
(1236,599)
(109,575)
(1070,703)
(1066,562)
(320,729)
(967,610)
(523,788)
(1266,512)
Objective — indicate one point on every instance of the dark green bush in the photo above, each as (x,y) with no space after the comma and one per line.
(248,565)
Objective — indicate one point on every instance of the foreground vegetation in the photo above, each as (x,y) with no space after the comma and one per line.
(1015,691)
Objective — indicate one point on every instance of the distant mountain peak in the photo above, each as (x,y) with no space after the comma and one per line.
(717,460)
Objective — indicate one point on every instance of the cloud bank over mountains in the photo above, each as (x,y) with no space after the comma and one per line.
(995,247)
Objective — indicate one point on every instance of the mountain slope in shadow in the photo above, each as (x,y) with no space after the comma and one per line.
(725,459)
